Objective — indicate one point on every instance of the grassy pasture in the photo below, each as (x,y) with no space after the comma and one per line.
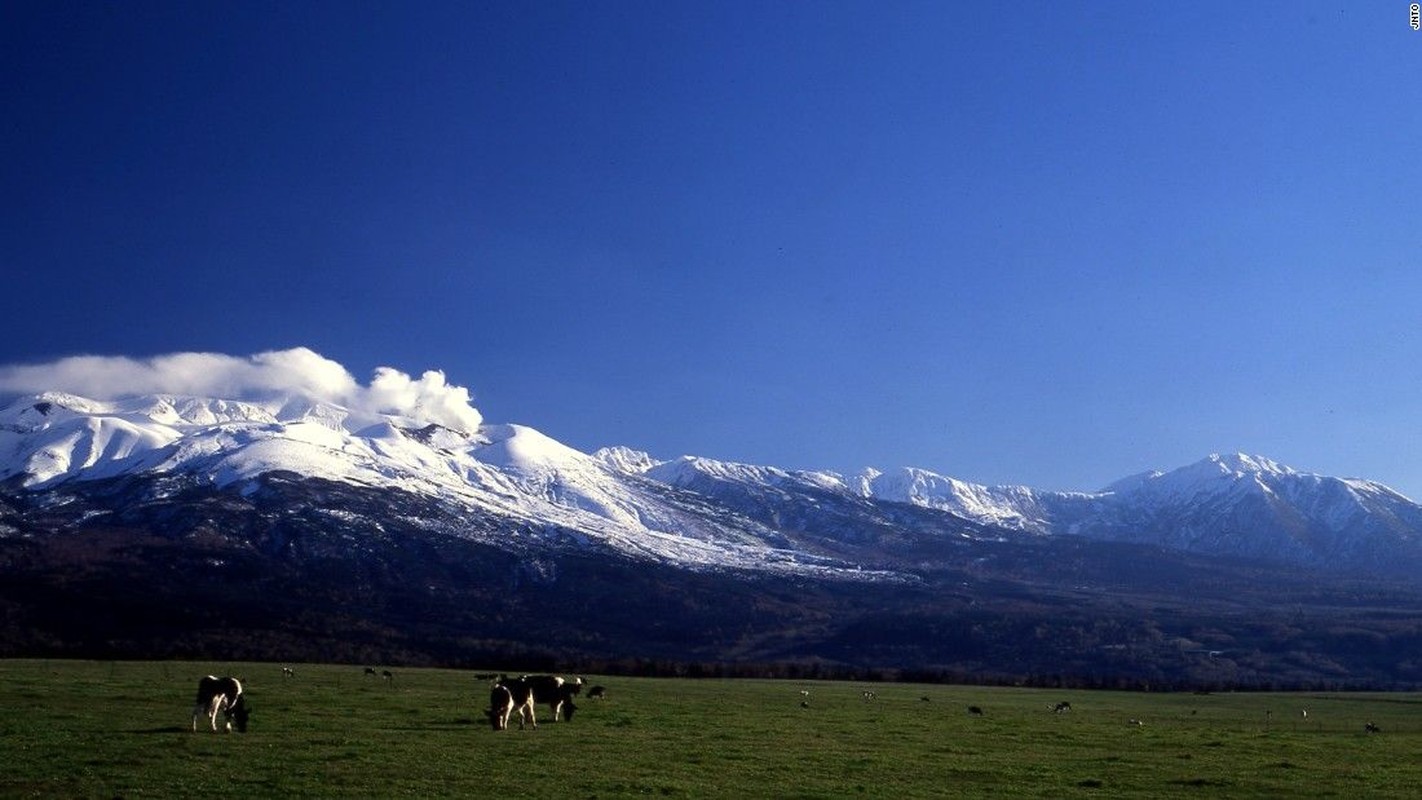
(100,729)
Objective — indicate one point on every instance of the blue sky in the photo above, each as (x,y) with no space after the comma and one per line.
(1042,243)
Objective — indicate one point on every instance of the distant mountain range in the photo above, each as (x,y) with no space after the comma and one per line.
(261,494)
(696,512)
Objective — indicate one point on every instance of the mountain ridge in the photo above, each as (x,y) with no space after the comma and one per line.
(759,516)
(167,526)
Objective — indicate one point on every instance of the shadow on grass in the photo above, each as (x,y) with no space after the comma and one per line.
(165,729)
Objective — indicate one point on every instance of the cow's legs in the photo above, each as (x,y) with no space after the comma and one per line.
(216,705)
(526,716)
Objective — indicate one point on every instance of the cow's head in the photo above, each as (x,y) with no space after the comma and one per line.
(568,709)
(495,719)
(238,714)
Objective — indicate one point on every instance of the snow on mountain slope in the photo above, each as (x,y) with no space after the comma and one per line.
(511,471)
(1206,477)
(625,459)
(685,470)
(539,466)
(1014,507)
(1232,476)
(1251,506)
(1232,505)
(690,510)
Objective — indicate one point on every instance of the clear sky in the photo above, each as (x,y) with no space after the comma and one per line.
(1047,243)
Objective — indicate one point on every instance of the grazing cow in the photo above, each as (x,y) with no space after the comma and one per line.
(556,692)
(216,694)
(975,711)
(868,695)
(501,705)
(804,692)
(387,675)
(597,693)
(1135,722)
(1062,706)
(1371,728)
(288,672)
(370,672)
(508,695)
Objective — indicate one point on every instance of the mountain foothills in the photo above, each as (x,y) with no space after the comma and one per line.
(291,528)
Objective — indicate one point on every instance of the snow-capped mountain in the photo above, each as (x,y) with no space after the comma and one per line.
(274,507)
(690,511)
(510,472)
(1015,507)
(1230,505)
(1251,506)
(296,528)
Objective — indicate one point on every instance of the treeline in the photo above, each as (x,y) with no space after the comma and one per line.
(819,671)
(416,602)
(1003,653)
(385,647)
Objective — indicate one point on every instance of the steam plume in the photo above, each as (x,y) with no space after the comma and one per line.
(299,372)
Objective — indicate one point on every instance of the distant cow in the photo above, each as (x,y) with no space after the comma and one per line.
(288,672)
(223,695)
(507,696)
(556,692)
(975,711)
(597,693)
(1371,728)
(370,672)
(1062,706)
(387,675)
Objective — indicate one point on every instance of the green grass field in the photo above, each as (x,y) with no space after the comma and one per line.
(99,729)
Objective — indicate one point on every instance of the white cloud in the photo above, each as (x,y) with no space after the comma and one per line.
(297,372)
(392,391)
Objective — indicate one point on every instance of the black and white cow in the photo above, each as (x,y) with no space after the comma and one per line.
(556,692)
(501,705)
(224,695)
(508,695)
